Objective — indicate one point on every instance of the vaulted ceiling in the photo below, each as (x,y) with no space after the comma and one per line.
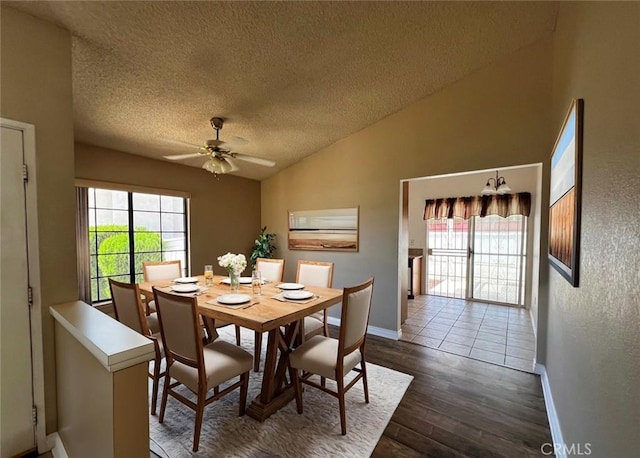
(289,78)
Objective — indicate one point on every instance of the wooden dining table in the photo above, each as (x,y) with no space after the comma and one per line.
(264,313)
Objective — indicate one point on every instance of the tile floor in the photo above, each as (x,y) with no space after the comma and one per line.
(493,333)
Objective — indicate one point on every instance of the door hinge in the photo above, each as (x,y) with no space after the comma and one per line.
(34,411)
(25,173)
(30,295)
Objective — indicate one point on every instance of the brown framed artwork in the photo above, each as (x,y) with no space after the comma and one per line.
(565,195)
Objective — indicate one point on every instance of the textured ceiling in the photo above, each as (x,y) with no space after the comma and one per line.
(288,77)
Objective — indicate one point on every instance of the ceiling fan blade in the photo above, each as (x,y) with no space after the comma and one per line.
(253,159)
(236,141)
(179,157)
(231,162)
(179,143)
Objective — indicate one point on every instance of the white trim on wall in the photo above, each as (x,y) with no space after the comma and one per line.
(84,183)
(552,414)
(56,446)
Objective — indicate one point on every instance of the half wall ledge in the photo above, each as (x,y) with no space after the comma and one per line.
(113,344)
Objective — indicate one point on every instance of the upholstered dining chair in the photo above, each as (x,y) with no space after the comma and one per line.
(271,270)
(198,367)
(334,359)
(315,273)
(129,311)
(159,270)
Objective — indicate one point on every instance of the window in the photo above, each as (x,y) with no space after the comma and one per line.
(126,229)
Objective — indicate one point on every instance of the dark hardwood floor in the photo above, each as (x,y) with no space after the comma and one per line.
(456,406)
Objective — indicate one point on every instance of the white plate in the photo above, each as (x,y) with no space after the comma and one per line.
(188,288)
(186,280)
(232,299)
(243,281)
(290,286)
(297,295)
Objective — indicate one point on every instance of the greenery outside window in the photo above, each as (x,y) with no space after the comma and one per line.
(126,229)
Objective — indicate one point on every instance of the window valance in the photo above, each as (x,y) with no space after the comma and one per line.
(465,207)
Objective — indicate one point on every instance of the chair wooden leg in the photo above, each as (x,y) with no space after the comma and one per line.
(297,388)
(325,326)
(257,352)
(156,382)
(210,328)
(364,381)
(244,389)
(343,414)
(323,381)
(237,335)
(165,395)
(199,413)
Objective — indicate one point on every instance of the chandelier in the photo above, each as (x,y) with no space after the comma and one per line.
(497,185)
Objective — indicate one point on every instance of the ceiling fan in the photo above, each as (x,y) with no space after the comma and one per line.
(220,160)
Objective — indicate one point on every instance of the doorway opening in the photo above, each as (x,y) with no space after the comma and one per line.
(480,275)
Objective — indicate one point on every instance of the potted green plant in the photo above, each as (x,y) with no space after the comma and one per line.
(263,246)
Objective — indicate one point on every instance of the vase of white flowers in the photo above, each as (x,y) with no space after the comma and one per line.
(234,264)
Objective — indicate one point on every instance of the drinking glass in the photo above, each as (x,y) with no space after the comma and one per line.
(208,275)
(256,282)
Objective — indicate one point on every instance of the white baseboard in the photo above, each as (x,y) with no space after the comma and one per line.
(537,368)
(552,414)
(57,447)
(373,330)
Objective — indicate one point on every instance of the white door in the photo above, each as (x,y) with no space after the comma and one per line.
(16,392)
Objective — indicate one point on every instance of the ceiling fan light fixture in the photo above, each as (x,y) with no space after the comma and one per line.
(217,166)
(219,160)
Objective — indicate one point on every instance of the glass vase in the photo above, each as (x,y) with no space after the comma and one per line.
(234,281)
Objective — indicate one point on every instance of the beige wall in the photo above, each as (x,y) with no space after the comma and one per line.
(498,116)
(593,359)
(225,212)
(36,89)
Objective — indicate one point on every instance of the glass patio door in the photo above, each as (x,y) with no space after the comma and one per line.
(480,258)
(447,260)
(497,259)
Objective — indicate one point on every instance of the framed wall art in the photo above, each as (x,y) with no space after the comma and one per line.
(565,195)
(324,230)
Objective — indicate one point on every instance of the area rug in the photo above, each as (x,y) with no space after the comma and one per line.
(315,433)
